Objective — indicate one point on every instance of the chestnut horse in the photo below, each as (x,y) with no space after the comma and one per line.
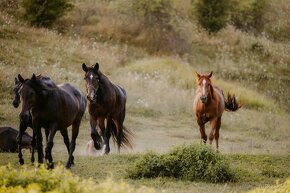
(53,108)
(107,102)
(209,105)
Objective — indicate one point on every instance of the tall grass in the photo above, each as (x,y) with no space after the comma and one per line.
(182,75)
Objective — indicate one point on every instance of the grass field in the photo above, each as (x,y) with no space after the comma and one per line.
(160,88)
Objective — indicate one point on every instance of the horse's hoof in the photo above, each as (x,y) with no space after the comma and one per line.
(97,146)
(21,161)
(50,166)
(68,166)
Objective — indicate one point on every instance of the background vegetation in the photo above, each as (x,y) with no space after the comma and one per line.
(153,48)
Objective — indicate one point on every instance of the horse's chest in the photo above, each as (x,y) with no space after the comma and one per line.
(98,111)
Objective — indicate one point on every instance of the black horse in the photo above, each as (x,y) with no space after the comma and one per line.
(8,142)
(53,108)
(25,124)
(107,102)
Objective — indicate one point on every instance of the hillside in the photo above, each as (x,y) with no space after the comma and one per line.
(159,78)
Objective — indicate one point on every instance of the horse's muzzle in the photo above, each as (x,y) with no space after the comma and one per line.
(203,99)
(24,117)
(92,100)
(15,104)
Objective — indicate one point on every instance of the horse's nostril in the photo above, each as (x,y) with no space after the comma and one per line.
(24,117)
(203,99)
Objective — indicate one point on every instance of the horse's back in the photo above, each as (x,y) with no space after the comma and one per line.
(76,94)
(220,96)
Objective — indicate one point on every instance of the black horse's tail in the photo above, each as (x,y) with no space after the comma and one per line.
(231,103)
(125,136)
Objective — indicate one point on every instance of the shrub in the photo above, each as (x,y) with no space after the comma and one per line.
(249,15)
(44,12)
(58,180)
(212,15)
(194,162)
(159,22)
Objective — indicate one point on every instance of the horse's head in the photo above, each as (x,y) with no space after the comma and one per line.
(92,81)
(16,99)
(29,92)
(204,86)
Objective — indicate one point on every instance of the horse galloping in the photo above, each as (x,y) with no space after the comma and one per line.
(107,102)
(53,108)
(209,105)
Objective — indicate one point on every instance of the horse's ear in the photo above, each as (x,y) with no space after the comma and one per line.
(20,78)
(33,78)
(209,75)
(197,75)
(96,67)
(85,68)
(16,81)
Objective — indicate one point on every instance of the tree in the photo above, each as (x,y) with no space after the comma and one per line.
(212,15)
(44,13)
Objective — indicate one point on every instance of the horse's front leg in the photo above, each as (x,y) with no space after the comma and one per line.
(33,144)
(37,131)
(22,128)
(201,124)
(49,146)
(107,135)
(94,135)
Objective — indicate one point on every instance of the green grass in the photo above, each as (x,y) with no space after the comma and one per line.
(249,168)
(160,91)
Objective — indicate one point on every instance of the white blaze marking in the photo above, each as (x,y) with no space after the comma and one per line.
(203,86)
(91,77)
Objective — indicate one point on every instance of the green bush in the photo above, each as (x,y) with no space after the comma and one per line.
(212,15)
(44,12)
(249,15)
(194,162)
(58,180)
(158,19)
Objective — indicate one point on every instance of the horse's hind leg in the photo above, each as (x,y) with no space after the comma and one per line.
(64,134)
(75,133)
(212,131)
(33,143)
(119,125)
(217,132)
(49,146)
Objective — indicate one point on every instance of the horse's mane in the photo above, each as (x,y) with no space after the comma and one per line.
(38,85)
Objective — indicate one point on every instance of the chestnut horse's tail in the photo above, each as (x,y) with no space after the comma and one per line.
(231,103)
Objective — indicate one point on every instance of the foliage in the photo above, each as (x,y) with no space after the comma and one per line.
(57,180)
(44,12)
(193,162)
(249,15)
(212,15)
(158,18)
(9,6)
(278,188)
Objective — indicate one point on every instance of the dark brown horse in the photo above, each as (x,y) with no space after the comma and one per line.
(8,142)
(107,102)
(25,124)
(53,108)
(209,105)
